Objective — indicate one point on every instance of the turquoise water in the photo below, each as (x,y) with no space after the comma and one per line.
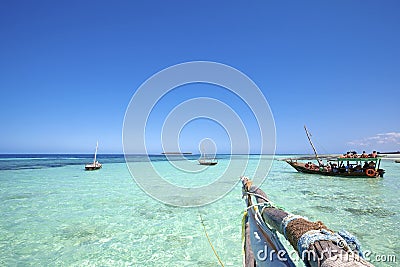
(55,213)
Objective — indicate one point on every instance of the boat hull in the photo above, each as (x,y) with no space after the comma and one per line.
(208,163)
(92,167)
(301,167)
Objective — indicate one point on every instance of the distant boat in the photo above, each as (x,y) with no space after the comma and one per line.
(204,160)
(390,155)
(397,161)
(209,162)
(340,166)
(95,165)
(176,153)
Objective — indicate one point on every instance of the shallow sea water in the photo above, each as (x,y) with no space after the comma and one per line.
(55,213)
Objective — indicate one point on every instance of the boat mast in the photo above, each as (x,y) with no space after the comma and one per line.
(95,153)
(312,145)
(203,154)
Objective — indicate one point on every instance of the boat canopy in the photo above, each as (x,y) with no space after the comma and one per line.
(358,159)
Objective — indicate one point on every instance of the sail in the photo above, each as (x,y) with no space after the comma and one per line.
(95,153)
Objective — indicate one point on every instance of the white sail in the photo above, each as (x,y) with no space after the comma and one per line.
(95,165)
(95,153)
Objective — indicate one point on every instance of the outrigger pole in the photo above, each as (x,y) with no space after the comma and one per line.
(316,244)
(312,145)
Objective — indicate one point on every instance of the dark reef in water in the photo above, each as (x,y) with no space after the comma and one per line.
(378,212)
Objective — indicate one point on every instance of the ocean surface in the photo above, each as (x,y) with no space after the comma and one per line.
(55,213)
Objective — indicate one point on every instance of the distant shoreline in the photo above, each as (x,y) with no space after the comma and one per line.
(150,154)
(176,153)
(84,155)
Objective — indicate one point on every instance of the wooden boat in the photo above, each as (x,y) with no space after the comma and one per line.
(346,167)
(209,162)
(204,160)
(350,167)
(397,161)
(176,153)
(95,165)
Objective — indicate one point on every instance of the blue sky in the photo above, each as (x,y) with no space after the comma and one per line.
(68,69)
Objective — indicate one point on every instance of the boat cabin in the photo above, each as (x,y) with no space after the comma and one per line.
(357,166)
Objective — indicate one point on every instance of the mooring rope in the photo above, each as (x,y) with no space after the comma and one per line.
(256,195)
(352,240)
(313,236)
(263,205)
(209,241)
(267,204)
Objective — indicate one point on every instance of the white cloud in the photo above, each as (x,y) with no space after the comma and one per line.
(391,138)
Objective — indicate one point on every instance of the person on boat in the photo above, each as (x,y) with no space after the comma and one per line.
(358,168)
(342,168)
(366,165)
(347,168)
(374,154)
(354,154)
(371,164)
(364,155)
(328,168)
(334,168)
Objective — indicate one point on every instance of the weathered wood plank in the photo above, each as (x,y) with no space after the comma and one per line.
(249,259)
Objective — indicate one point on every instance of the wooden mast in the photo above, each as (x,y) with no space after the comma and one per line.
(312,145)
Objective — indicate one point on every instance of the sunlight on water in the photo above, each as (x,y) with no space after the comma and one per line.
(66,216)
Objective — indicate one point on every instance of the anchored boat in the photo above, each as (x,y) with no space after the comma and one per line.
(208,161)
(347,167)
(205,160)
(95,165)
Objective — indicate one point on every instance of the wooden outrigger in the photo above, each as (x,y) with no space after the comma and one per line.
(315,243)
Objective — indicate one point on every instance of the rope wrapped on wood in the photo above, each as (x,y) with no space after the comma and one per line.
(304,235)
(310,237)
(296,228)
(285,221)
(352,241)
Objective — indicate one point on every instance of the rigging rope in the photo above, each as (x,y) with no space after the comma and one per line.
(209,241)
(352,241)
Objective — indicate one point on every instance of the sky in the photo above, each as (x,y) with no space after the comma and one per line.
(68,70)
